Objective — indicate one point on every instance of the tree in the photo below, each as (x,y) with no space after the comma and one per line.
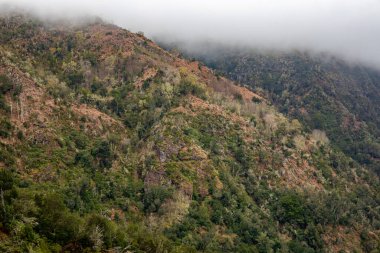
(7,193)
(55,221)
(103,154)
(291,209)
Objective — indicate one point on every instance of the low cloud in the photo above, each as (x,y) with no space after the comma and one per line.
(346,28)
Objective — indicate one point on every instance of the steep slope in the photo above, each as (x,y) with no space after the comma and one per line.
(110,143)
(321,91)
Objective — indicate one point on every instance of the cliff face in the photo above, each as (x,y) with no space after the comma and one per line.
(108,142)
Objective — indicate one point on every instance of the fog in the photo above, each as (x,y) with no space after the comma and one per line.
(345,28)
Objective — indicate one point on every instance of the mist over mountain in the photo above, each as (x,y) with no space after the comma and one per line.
(348,29)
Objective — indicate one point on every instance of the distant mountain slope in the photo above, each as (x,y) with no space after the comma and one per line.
(321,91)
(109,143)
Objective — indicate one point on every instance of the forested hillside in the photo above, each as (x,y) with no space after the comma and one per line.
(321,91)
(109,143)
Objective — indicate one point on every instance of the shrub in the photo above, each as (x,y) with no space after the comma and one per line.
(155,197)
(84,159)
(256,100)
(5,128)
(298,247)
(238,96)
(100,231)
(6,180)
(6,156)
(320,137)
(99,87)
(3,104)
(74,79)
(58,90)
(5,84)
(187,87)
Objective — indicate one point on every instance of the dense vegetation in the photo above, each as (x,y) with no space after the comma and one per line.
(109,143)
(321,91)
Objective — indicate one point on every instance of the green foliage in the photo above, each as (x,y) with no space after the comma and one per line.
(5,84)
(7,180)
(74,79)
(102,154)
(55,220)
(105,230)
(298,247)
(99,88)
(7,155)
(187,87)
(292,209)
(7,194)
(59,90)
(5,127)
(154,197)
(3,104)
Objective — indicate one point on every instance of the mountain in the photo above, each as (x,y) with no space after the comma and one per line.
(321,91)
(108,143)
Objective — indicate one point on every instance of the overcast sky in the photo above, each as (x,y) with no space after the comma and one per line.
(348,28)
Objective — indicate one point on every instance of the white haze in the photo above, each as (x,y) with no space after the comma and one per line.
(346,28)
